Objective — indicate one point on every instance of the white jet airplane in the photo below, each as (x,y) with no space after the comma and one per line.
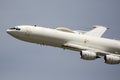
(90,44)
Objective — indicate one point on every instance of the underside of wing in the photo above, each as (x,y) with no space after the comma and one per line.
(88,53)
(77,47)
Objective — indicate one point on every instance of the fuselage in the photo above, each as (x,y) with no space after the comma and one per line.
(57,38)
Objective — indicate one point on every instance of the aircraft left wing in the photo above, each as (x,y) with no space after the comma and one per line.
(84,48)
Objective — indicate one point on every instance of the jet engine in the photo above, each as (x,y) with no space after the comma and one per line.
(112,59)
(88,55)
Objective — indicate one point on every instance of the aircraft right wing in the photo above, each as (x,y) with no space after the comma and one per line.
(98,31)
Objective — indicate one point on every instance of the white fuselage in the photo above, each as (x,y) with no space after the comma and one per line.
(53,37)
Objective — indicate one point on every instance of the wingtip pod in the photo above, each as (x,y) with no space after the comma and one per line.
(96,26)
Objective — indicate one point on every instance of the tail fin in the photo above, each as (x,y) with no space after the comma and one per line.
(98,31)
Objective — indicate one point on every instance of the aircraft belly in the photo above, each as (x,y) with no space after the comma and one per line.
(43,40)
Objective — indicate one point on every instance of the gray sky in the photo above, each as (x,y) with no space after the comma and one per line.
(26,61)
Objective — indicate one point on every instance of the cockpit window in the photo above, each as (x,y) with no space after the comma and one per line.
(12,28)
(15,28)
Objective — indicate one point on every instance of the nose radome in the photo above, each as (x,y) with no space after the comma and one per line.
(8,31)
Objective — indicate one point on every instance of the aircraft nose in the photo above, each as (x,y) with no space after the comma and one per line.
(11,32)
(8,31)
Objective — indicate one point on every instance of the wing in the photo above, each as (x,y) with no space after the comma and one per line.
(92,54)
(80,48)
(98,31)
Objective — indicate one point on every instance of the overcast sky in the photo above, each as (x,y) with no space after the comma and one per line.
(26,61)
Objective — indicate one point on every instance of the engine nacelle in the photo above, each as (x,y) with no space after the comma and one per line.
(88,55)
(112,59)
